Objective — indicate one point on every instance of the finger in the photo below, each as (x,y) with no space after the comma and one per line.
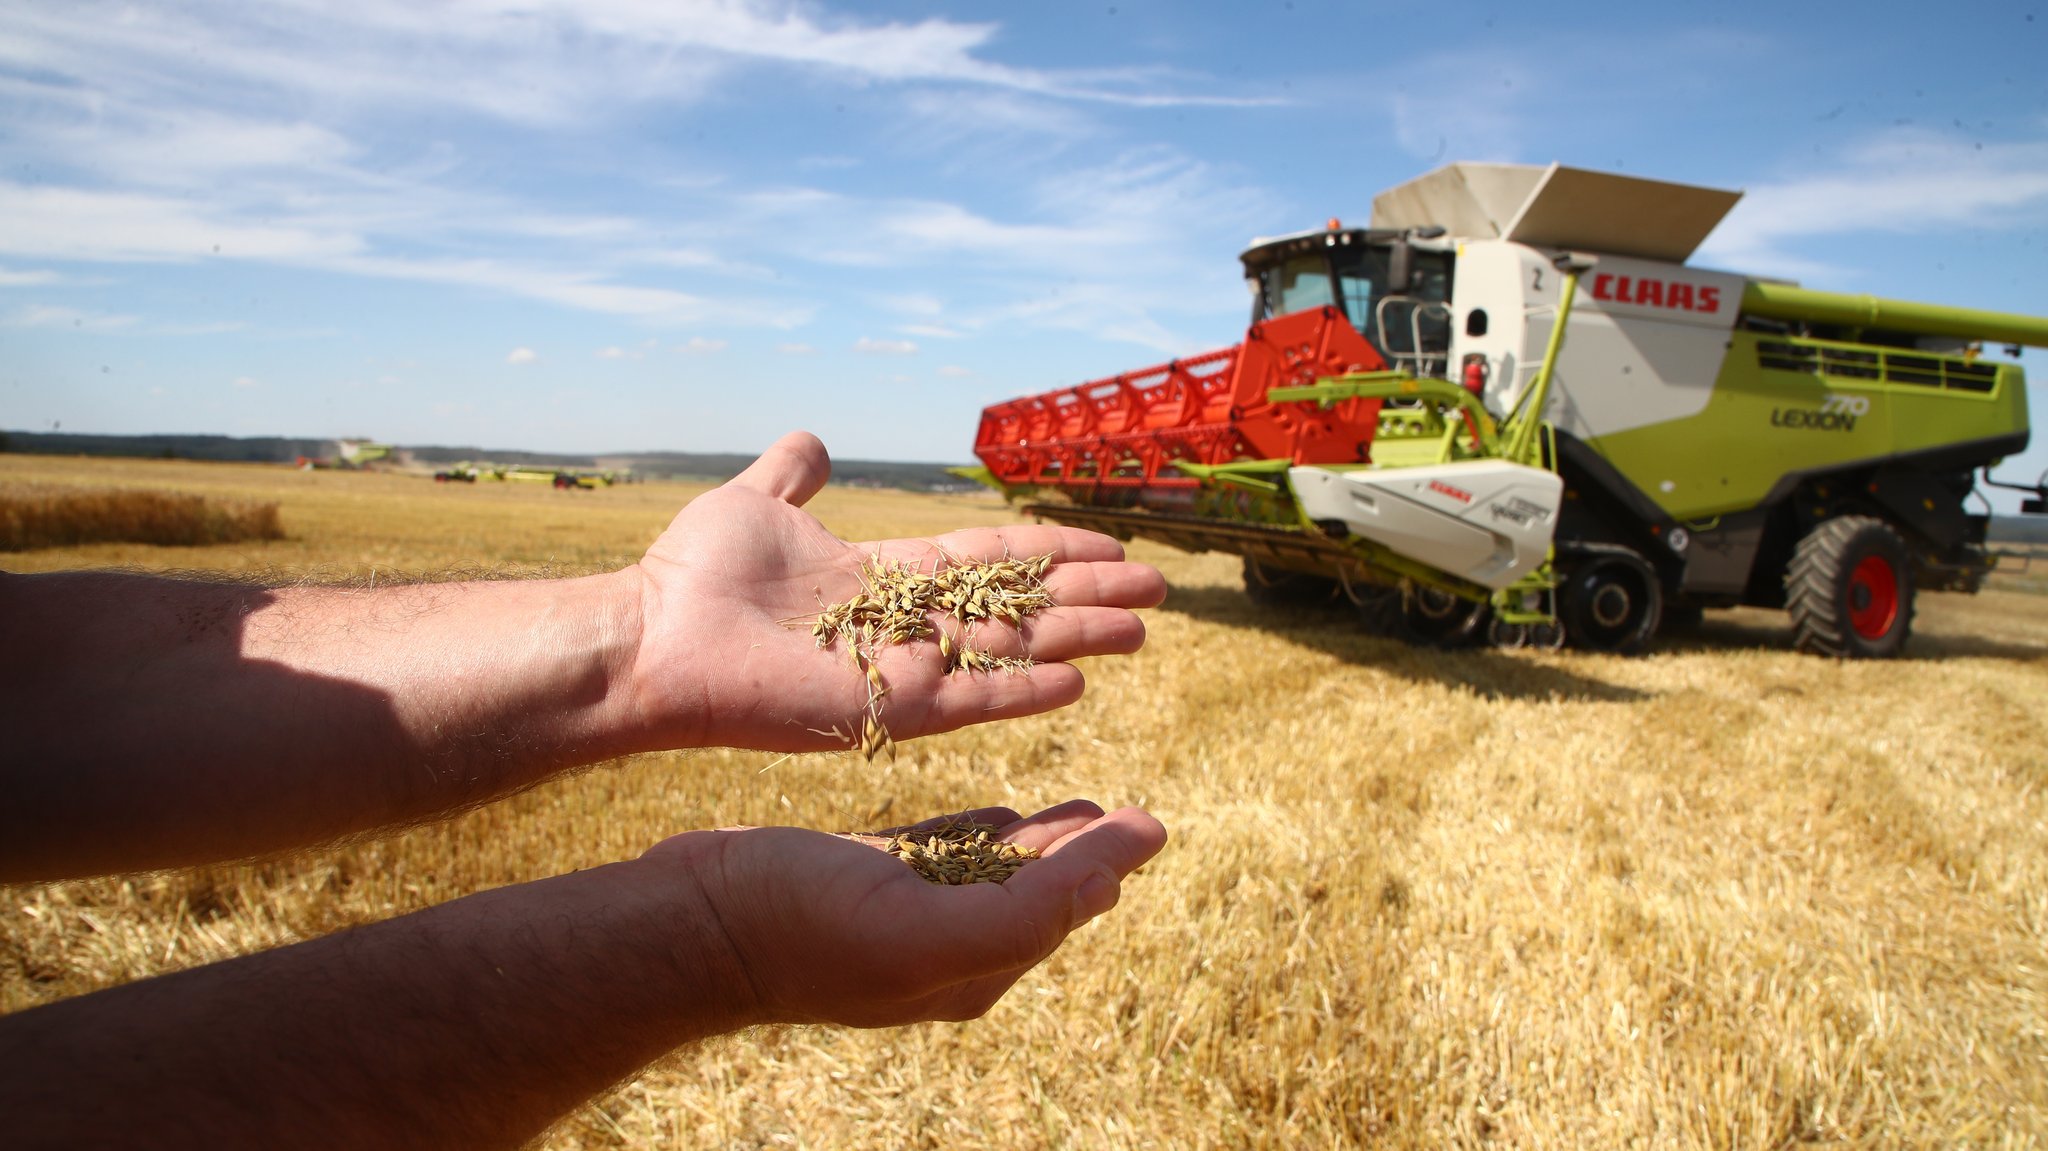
(993,816)
(978,697)
(1105,584)
(1065,545)
(793,469)
(1124,840)
(1036,832)
(1064,634)
(1060,634)
(1052,825)
(1092,861)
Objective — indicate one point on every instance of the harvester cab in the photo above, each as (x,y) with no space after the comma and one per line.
(1508,408)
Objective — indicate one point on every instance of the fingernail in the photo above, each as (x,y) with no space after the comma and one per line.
(1095,896)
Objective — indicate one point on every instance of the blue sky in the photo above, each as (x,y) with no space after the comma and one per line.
(626,225)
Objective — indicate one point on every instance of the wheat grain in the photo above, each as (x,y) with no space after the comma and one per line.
(894,606)
(955,852)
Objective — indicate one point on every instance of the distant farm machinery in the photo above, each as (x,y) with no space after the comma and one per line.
(562,479)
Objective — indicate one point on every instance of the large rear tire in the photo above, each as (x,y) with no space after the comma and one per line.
(1849,589)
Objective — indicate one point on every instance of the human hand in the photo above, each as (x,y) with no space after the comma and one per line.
(719,664)
(830,930)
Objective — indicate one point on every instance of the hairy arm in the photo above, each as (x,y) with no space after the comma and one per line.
(479,1022)
(165,722)
(162,722)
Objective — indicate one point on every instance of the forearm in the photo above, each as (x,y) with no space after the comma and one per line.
(475,1023)
(158,722)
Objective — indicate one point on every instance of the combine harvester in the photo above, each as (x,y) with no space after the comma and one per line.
(1508,409)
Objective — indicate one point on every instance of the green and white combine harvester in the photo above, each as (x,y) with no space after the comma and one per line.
(1509,410)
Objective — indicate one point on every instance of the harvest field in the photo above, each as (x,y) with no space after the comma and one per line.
(1724,895)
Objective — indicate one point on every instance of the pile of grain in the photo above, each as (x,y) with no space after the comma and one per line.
(955,852)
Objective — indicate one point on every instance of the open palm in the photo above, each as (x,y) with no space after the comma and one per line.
(719,662)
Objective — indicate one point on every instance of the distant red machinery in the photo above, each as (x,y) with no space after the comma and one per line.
(1128,430)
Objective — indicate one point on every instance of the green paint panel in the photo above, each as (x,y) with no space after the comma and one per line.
(1782,405)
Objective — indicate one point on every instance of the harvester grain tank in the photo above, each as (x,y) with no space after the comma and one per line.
(1509,408)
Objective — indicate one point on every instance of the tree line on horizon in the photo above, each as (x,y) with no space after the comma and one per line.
(717,466)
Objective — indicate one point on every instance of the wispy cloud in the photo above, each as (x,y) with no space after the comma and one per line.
(1903,181)
(520,356)
(570,55)
(195,129)
(46,316)
(86,224)
(869,346)
(10,278)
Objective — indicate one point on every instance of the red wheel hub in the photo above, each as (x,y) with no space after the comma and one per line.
(1873,597)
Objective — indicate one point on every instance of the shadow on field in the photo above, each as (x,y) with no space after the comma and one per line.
(1975,646)
(1334,630)
(1726,632)
(1763,630)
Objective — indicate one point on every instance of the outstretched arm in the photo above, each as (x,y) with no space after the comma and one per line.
(161,722)
(481,1021)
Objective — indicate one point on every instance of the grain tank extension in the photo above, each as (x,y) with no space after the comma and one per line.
(1509,409)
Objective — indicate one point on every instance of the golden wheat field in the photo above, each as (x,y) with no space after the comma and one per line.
(1724,895)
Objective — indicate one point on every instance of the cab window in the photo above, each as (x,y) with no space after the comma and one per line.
(1296,285)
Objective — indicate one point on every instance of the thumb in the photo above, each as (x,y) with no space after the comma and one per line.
(791,470)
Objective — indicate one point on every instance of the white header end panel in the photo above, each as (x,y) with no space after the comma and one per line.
(1488,521)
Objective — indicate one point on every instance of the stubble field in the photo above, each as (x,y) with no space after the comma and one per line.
(1721,896)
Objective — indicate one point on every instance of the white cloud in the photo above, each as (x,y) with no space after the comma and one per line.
(47,316)
(933,331)
(616,353)
(199,129)
(582,290)
(873,347)
(956,372)
(13,279)
(700,345)
(1904,181)
(796,349)
(913,303)
(80,224)
(522,356)
(246,382)
(569,55)
(185,148)
(222,327)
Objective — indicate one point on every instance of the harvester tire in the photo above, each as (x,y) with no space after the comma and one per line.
(1437,618)
(1612,601)
(1849,589)
(1278,587)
